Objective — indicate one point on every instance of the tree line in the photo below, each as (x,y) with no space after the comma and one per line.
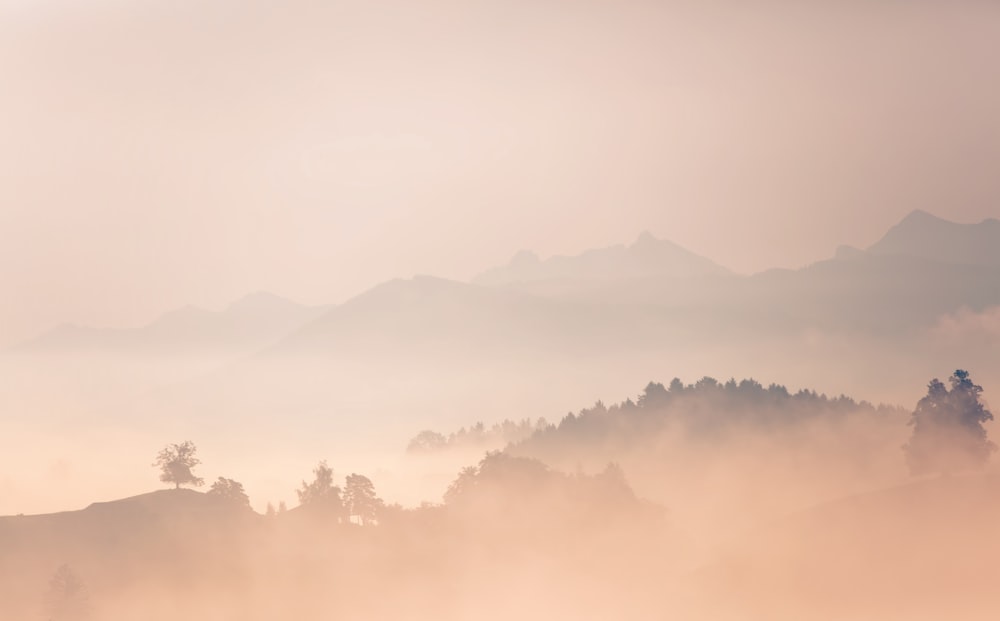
(948,433)
(476,436)
(356,501)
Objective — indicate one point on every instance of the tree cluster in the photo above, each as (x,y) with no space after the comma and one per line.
(477,436)
(948,433)
(505,491)
(356,500)
(705,410)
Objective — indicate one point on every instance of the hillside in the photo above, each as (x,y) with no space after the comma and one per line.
(145,541)
(921,551)
(169,553)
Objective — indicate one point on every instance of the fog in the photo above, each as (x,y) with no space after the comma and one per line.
(460,487)
(537,310)
(711,500)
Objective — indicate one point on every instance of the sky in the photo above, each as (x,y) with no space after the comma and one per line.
(156,154)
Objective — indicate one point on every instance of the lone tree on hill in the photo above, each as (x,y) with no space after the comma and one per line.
(948,434)
(175,463)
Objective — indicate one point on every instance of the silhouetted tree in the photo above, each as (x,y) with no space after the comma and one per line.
(653,395)
(175,463)
(66,598)
(231,491)
(498,470)
(426,442)
(948,433)
(360,498)
(462,485)
(478,435)
(322,496)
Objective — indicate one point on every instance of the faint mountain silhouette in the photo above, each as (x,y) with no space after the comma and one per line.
(645,258)
(246,325)
(861,293)
(426,314)
(927,236)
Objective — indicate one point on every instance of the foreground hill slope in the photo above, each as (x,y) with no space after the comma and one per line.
(149,540)
(181,553)
(921,551)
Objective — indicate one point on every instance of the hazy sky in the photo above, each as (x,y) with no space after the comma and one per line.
(157,153)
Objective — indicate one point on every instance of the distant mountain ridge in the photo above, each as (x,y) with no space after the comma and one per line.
(653,293)
(434,315)
(926,236)
(645,258)
(647,295)
(634,274)
(249,323)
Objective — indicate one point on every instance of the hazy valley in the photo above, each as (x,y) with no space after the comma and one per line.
(481,311)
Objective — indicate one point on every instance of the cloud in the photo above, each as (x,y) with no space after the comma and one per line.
(969,326)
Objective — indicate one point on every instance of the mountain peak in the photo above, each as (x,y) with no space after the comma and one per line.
(645,238)
(647,257)
(919,216)
(525,257)
(927,236)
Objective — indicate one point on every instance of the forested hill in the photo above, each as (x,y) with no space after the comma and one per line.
(695,446)
(705,408)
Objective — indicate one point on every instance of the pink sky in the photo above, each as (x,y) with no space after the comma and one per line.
(159,154)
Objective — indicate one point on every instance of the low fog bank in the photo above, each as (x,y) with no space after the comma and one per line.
(269,387)
(922,551)
(727,456)
(289,412)
(711,500)
(513,539)
(511,532)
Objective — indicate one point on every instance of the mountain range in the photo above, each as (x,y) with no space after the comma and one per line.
(608,315)
(647,257)
(426,352)
(244,326)
(922,267)
(653,293)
